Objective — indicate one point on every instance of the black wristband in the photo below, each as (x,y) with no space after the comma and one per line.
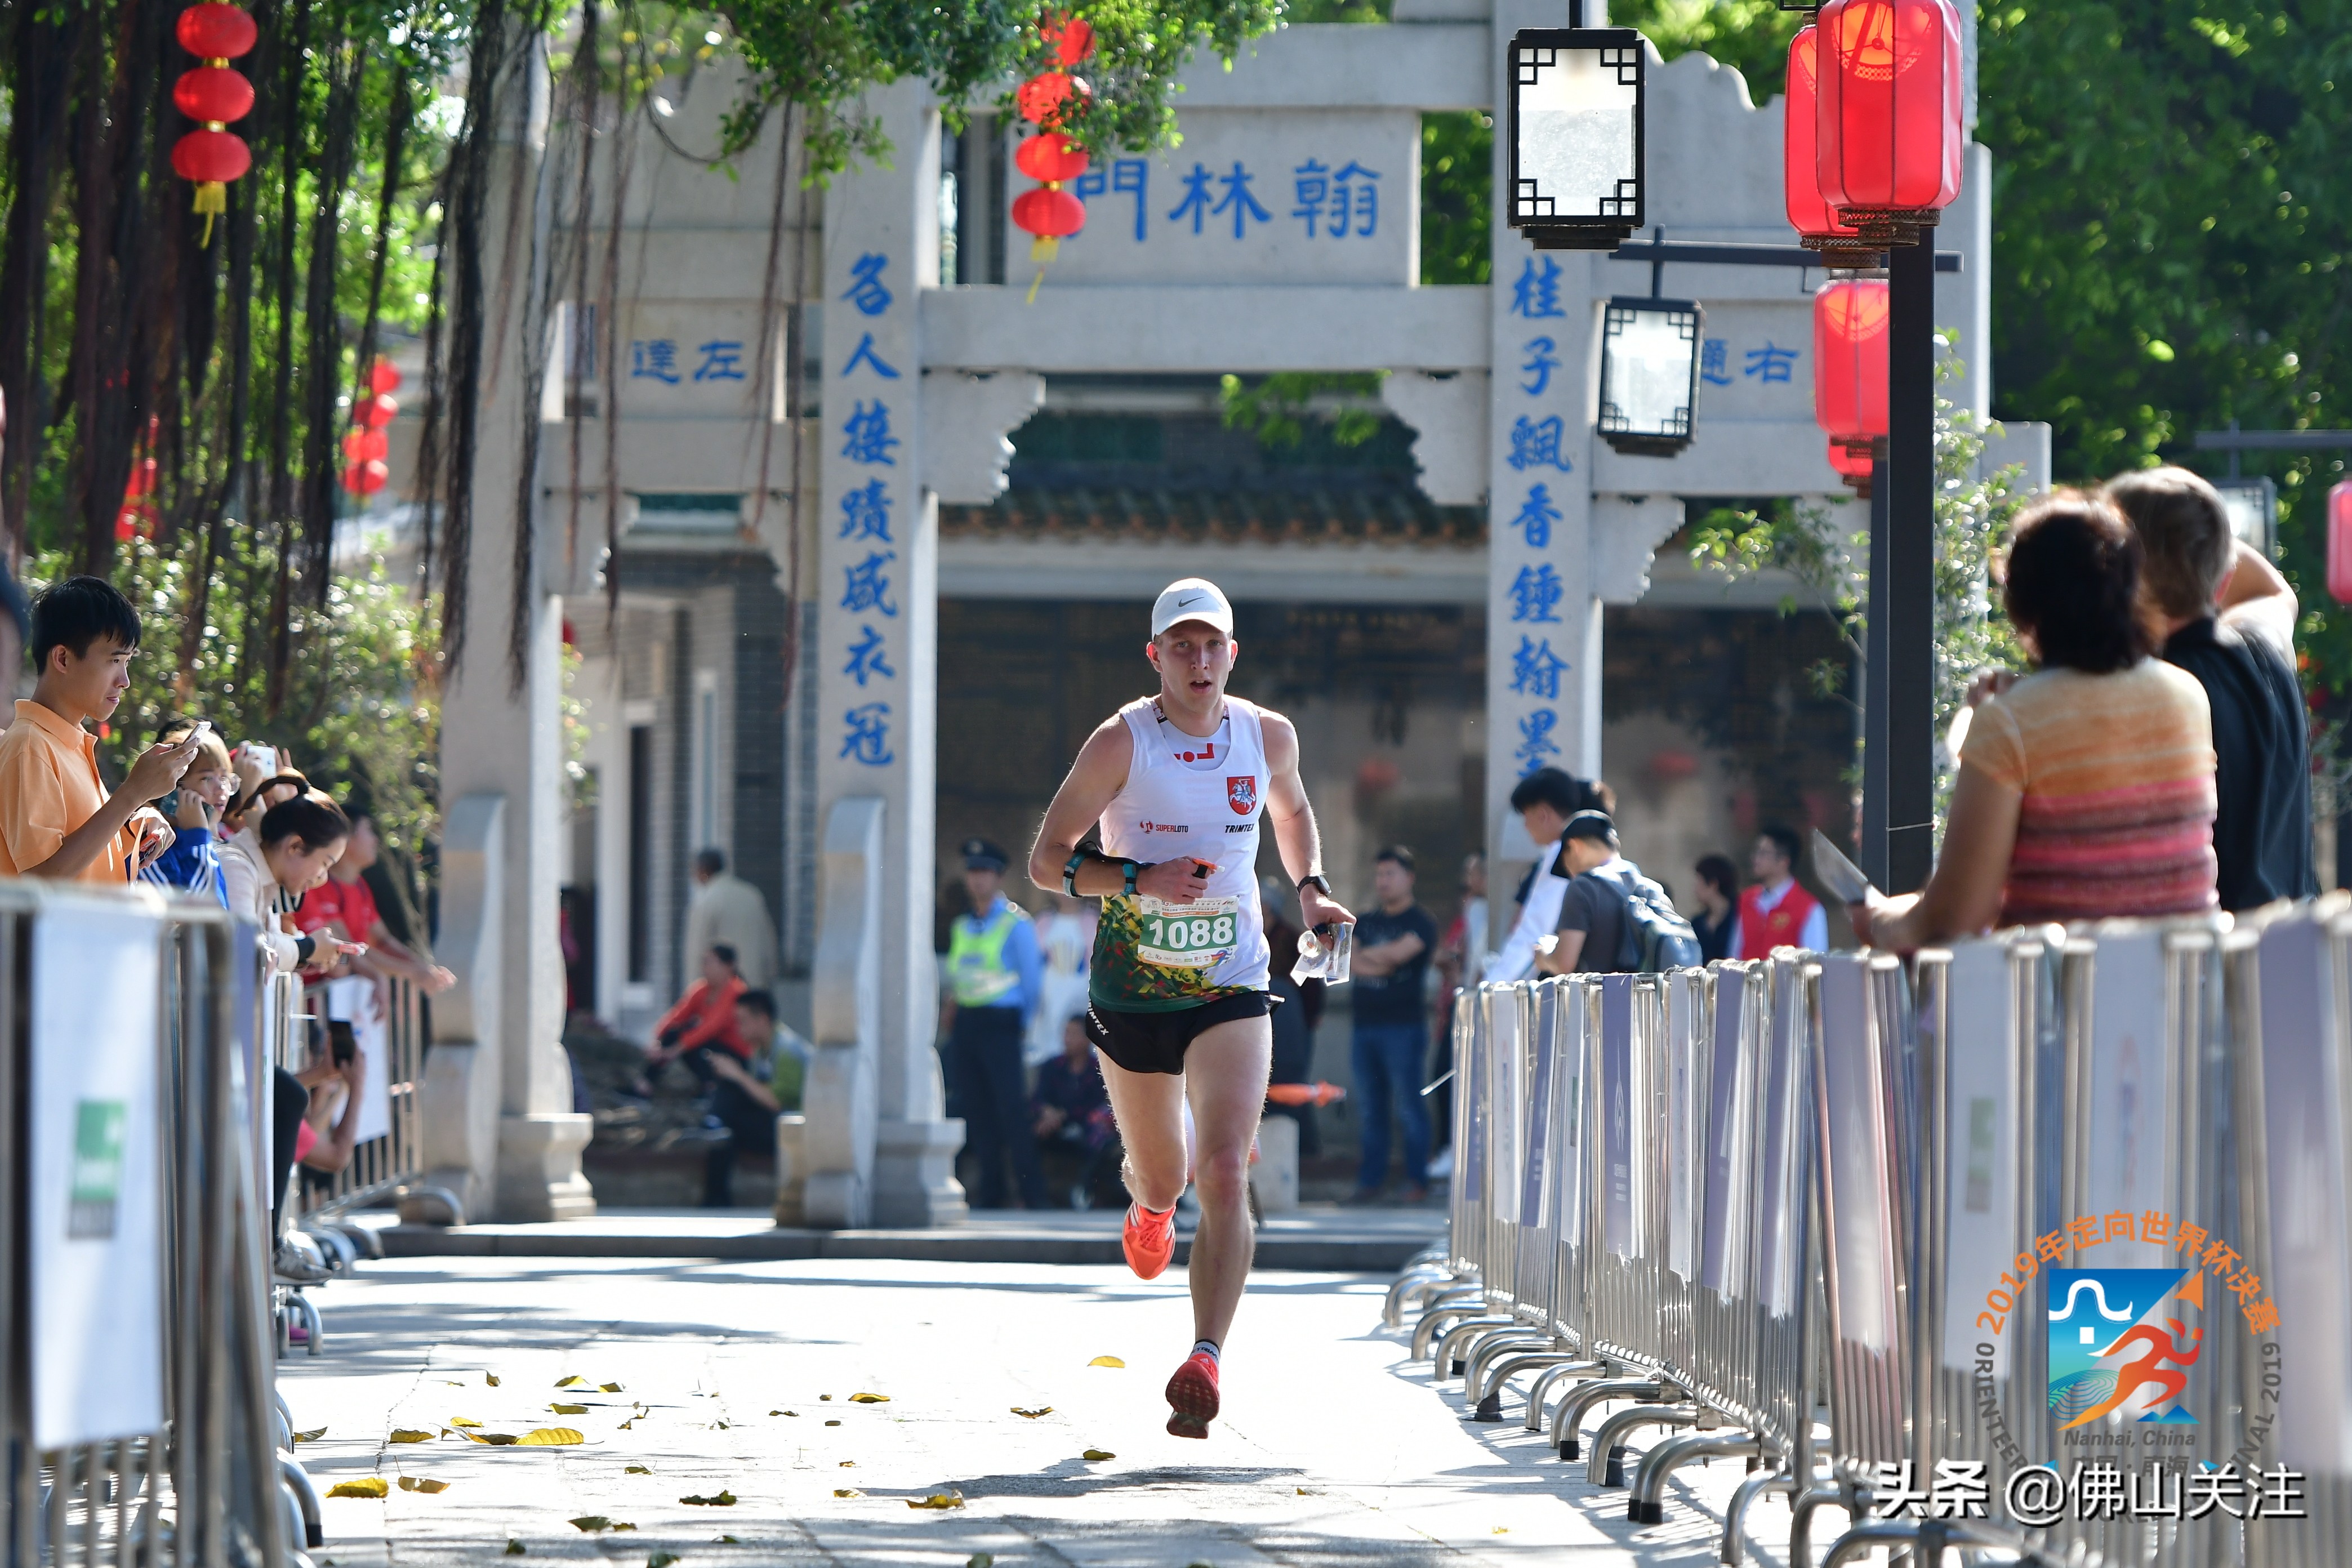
(1129,868)
(1070,872)
(1317,881)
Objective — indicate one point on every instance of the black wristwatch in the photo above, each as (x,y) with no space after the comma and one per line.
(1317,880)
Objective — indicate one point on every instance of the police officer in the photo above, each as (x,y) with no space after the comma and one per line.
(995,978)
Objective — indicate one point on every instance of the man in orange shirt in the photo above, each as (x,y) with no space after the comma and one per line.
(57,819)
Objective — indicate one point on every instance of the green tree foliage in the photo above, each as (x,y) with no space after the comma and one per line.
(1457,204)
(1749,35)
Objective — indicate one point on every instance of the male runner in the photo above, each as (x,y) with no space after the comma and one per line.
(1179,981)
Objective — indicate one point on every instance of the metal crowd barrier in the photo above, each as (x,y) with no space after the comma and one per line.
(390,1164)
(1812,1213)
(137,1381)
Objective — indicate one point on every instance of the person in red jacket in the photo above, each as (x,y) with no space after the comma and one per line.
(1776,913)
(703,1020)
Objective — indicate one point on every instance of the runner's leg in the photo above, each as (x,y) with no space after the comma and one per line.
(1225,1075)
(1150,1109)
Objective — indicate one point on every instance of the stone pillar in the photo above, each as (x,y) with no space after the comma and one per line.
(1543,612)
(876,644)
(500,742)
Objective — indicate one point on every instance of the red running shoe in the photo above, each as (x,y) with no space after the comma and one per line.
(1192,1397)
(1148,1240)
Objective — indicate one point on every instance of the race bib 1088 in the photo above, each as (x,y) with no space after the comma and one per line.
(1198,935)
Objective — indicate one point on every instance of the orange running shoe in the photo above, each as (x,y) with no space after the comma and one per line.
(1192,1397)
(1148,1240)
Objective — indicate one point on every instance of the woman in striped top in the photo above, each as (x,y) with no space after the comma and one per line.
(2086,789)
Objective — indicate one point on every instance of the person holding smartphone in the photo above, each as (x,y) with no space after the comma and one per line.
(191,865)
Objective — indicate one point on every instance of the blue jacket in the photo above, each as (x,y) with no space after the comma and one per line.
(191,865)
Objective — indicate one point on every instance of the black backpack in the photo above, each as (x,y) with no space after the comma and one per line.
(1656,937)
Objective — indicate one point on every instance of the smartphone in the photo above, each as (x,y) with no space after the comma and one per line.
(339,1041)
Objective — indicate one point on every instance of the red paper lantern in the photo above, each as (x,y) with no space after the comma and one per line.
(1849,341)
(362,446)
(1049,213)
(382,377)
(376,412)
(1041,97)
(1072,40)
(366,478)
(1888,131)
(1852,462)
(213,94)
(216,32)
(210,158)
(1050,156)
(1816,225)
(2340,542)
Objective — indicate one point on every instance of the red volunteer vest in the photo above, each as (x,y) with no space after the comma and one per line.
(1760,932)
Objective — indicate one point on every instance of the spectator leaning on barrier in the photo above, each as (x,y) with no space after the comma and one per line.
(191,865)
(1394,942)
(1776,913)
(273,862)
(725,911)
(1545,800)
(344,906)
(2216,608)
(1590,935)
(57,818)
(995,979)
(1719,905)
(2086,789)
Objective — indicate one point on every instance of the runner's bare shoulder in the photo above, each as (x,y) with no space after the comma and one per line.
(1106,755)
(1281,736)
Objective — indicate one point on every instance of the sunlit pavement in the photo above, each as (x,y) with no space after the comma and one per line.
(1330,1449)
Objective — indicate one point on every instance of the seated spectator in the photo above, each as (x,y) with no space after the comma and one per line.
(2216,608)
(57,818)
(330,1123)
(2086,789)
(1593,919)
(1776,913)
(742,1104)
(1073,1108)
(701,1024)
(1719,905)
(269,865)
(191,865)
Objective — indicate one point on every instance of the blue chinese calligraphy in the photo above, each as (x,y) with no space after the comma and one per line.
(1312,182)
(1125,176)
(722,360)
(864,355)
(869,658)
(866,587)
(1537,293)
(866,737)
(1542,359)
(865,513)
(1346,203)
(1535,443)
(654,359)
(866,288)
(1770,364)
(869,437)
(1537,747)
(1536,594)
(1536,669)
(1715,363)
(1236,200)
(1536,517)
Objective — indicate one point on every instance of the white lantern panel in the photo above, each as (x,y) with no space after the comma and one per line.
(1649,359)
(1578,134)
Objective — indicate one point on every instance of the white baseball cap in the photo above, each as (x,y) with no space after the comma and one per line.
(1191,599)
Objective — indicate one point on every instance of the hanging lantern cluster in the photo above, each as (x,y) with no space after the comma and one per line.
(1815,221)
(1052,212)
(1889,134)
(212,95)
(140,512)
(366,444)
(1851,322)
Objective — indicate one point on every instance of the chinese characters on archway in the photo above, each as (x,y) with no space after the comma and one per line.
(1316,198)
(1539,461)
(867,588)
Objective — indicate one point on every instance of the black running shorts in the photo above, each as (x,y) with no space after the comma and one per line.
(1156,1042)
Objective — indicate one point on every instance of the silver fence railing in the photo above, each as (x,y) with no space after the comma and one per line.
(2036,1248)
(137,1379)
(387,1163)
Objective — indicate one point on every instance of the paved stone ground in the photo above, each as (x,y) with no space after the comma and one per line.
(1331,1450)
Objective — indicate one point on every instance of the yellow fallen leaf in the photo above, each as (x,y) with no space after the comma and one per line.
(409,1434)
(590,1524)
(938,1499)
(1502,1530)
(574,1381)
(569,1409)
(661,1560)
(490,1439)
(979,1560)
(625,1425)
(617,1525)
(869,1399)
(726,1540)
(515,1547)
(609,1387)
(463,1421)
(783,1413)
(549,1437)
(313,1435)
(1032,1415)
(717,1499)
(1106,1361)
(491,1378)
(833,1423)
(1098,1454)
(453,1383)
(637,1470)
(848,1463)
(422,1484)
(847,1491)
(371,1486)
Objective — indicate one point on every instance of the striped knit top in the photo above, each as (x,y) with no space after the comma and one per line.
(2117,773)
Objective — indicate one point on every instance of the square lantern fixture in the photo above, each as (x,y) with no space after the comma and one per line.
(1649,374)
(1576,136)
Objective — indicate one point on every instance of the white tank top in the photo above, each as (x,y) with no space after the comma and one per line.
(1185,795)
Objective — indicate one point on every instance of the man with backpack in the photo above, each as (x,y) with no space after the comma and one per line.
(1612,919)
